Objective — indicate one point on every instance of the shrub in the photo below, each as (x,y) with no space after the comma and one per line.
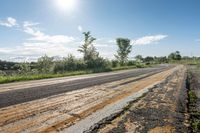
(131,63)
(114,63)
(45,64)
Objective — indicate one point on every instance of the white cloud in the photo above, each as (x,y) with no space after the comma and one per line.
(31,29)
(38,44)
(148,39)
(80,28)
(9,22)
(30,51)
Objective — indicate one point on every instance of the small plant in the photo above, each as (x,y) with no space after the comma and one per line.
(192,97)
(196,127)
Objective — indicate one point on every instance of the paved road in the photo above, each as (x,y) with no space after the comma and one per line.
(17,96)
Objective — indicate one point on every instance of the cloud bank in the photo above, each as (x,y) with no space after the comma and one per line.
(40,43)
(149,39)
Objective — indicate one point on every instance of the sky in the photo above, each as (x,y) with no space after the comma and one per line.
(30,29)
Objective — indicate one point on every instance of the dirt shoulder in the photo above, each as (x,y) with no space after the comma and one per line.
(163,109)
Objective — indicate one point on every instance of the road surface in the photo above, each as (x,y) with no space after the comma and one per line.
(11,94)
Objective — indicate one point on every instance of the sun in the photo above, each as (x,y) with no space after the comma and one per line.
(66,5)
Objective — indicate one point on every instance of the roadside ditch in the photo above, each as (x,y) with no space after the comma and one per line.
(193,85)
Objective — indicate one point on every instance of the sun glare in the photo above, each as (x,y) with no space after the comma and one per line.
(66,5)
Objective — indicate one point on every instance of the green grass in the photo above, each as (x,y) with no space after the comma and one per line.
(192,97)
(17,78)
(196,127)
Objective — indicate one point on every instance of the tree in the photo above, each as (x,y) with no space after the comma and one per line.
(175,56)
(139,58)
(161,59)
(70,63)
(87,48)
(149,59)
(24,68)
(45,64)
(124,48)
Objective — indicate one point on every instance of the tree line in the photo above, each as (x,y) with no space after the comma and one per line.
(91,60)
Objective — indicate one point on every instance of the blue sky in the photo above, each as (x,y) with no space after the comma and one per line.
(32,28)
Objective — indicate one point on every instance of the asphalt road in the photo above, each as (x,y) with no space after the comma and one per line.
(18,96)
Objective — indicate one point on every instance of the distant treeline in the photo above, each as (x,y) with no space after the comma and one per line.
(91,61)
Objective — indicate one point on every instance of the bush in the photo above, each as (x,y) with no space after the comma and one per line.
(131,63)
(114,63)
(2,73)
(81,65)
(98,64)
(24,68)
(140,65)
(59,67)
(45,64)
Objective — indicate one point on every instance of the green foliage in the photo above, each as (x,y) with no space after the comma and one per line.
(24,68)
(175,56)
(2,73)
(5,65)
(48,67)
(131,63)
(124,48)
(114,63)
(148,60)
(160,60)
(15,78)
(196,127)
(140,65)
(70,63)
(91,56)
(192,97)
(88,50)
(139,58)
(45,64)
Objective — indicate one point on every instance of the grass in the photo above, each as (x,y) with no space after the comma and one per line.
(196,127)
(17,78)
(192,97)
